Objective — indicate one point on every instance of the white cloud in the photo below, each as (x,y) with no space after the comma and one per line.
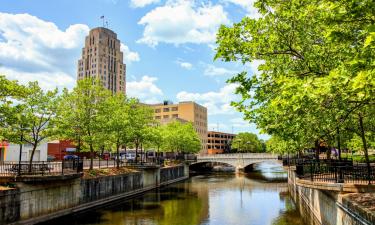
(248,6)
(185,65)
(142,3)
(182,21)
(46,80)
(144,89)
(129,56)
(213,71)
(34,49)
(239,122)
(216,102)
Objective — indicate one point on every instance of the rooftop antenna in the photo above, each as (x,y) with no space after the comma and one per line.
(106,22)
(102,18)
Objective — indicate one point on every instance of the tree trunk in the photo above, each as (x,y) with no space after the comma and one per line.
(31,157)
(364,145)
(317,150)
(102,151)
(118,156)
(157,156)
(136,152)
(141,154)
(328,152)
(91,157)
(339,143)
(79,144)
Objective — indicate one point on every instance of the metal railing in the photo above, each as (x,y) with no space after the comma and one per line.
(40,168)
(336,172)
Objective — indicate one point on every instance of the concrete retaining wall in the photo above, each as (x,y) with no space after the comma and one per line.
(322,207)
(32,203)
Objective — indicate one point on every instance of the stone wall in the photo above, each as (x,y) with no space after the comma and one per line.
(167,174)
(36,202)
(322,207)
(9,205)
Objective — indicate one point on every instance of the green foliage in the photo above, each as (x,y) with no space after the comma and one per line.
(179,137)
(316,78)
(80,114)
(27,114)
(247,142)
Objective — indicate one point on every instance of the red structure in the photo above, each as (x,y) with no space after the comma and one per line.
(58,149)
(61,148)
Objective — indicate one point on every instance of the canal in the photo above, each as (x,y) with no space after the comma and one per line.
(258,198)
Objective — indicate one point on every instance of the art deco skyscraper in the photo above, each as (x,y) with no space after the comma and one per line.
(102,59)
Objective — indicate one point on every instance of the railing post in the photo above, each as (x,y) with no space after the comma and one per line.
(311,171)
(62,167)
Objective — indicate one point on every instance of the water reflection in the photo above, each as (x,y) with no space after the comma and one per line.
(216,199)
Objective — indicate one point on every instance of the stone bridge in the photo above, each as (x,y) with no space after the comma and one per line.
(237,160)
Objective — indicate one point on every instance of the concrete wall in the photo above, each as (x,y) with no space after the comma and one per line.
(9,205)
(322,207)
(32,203)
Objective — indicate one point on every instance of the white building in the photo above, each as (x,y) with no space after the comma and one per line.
(13,152)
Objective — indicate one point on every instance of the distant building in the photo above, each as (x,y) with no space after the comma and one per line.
(103,59)
(12,152)
(219,142)
(184,112)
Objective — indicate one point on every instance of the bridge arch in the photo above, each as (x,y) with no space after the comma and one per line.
(207,165)
(240,161)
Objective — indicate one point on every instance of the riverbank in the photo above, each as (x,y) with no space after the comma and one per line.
(30,203)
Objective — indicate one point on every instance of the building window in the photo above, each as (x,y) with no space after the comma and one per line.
(166,110)
(157,117)
(166,116)
(174,115)
(174,108)
(157,110)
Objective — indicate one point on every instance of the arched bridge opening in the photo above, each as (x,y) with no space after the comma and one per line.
(209,166)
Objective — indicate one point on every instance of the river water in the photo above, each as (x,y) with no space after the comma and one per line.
(258,198)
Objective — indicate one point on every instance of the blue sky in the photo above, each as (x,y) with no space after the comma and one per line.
(169,48)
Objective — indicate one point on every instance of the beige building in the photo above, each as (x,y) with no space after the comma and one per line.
(102,58)
(219,142)
(184,111)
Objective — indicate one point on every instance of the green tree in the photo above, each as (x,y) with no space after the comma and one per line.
(39,109)
(10,93)
(141,119)
(316,73)
(247,142)
(180,137)
(80,114)
(117,122)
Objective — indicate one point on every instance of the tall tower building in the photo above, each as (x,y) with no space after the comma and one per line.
(102,59)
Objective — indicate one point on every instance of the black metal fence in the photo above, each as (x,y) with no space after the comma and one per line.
(40,168)
(335,171)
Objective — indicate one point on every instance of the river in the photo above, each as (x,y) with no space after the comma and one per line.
(258,198)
